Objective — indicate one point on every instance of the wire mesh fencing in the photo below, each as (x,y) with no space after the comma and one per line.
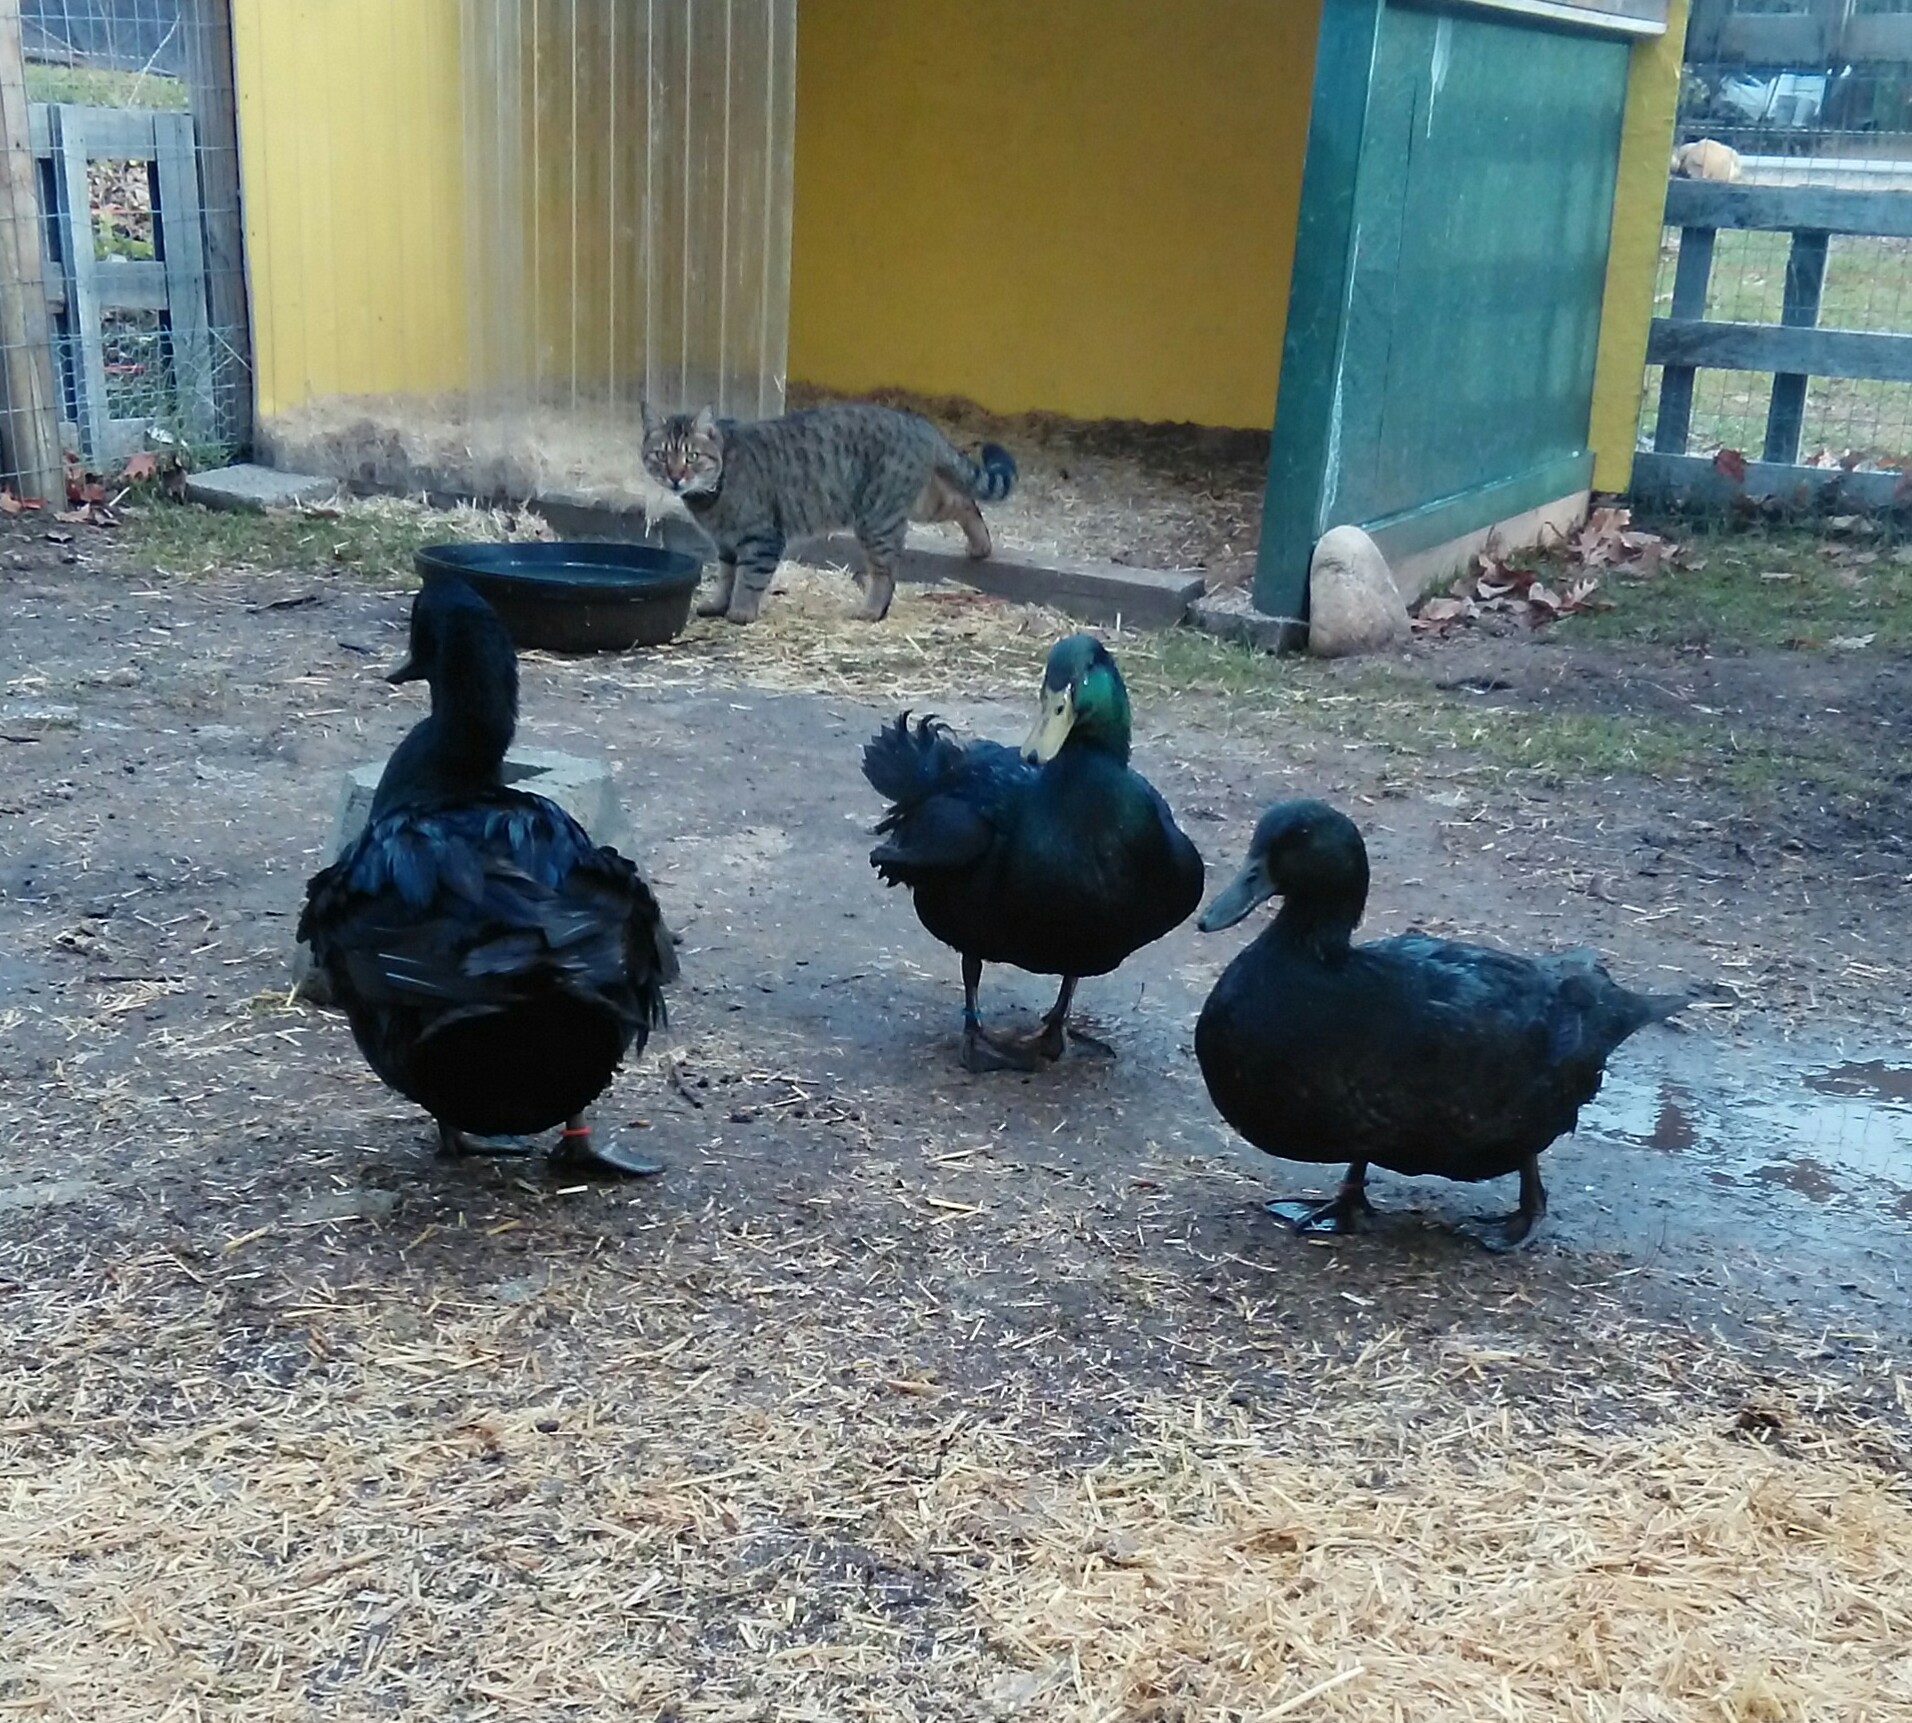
(1868,287)
(123,332)
(1814,93)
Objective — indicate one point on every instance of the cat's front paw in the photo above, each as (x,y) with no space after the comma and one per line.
(877,593)
(744,607)
(717,604)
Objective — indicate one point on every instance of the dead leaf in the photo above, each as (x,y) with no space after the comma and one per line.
(9,503)
(1851,642)
(1732,464)
(1580,596)
(1779,574)
(1437,615)
(144,465)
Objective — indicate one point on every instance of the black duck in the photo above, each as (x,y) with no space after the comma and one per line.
(1417,1054)
(495,964)
(1059,859)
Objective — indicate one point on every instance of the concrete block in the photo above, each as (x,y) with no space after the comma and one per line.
(1232,615)
(1105,592)
(252,487)
(583,788)
(581,517)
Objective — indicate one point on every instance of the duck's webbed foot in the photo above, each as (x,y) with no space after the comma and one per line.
(1340,1213)
(1509,1231)
(983,1051)
(580,1150)
(1058,1033)
(457,1145)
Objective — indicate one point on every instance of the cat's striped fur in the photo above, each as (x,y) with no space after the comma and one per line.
(753,487)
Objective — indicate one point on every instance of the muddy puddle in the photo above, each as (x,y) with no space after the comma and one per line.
(1777,1165)
(1832,1127)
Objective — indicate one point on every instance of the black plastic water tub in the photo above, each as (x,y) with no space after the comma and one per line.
(575,597)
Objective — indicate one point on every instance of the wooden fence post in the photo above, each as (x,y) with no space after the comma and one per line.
(1805,284)
(1690,278)
(31,443)
(210,76)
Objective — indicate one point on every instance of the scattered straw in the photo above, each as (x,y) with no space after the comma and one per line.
(674,1482)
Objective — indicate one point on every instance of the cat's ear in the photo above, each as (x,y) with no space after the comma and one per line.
(705,422)
(648,417)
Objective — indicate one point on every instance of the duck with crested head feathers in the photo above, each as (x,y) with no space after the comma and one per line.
(1058,858)
(494,963)
(1416,1054)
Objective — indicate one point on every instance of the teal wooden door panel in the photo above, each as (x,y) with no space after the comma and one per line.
(1445,306)
(1501,203)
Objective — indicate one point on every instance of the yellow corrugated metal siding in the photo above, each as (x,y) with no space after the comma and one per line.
(351,161)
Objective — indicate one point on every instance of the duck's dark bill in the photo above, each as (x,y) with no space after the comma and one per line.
(1249,888)
(406,672)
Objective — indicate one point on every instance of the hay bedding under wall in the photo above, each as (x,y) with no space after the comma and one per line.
(672,1483)
(1153,496)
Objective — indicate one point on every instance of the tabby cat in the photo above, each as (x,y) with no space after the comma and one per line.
(753,487)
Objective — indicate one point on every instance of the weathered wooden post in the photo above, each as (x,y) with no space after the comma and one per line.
(209,75)
(30,424)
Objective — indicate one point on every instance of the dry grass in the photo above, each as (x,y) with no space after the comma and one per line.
(1682,1574)
(658,1482)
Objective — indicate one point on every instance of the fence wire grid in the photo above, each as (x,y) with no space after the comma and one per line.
(1842,121)
(124,325)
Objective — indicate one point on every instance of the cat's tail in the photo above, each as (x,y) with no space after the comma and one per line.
(988,478)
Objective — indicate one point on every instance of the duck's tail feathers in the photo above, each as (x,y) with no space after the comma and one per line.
(907,763)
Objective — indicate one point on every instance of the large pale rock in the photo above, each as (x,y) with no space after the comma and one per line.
(1353,603)
(583,788)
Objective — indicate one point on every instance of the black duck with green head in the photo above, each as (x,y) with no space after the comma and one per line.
(1057,859)
(1417,1054)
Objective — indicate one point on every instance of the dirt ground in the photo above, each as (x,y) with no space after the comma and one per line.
(907,1394)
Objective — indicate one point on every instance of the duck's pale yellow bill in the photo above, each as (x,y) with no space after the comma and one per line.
(1052,727)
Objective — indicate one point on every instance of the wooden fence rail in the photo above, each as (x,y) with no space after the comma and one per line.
(1794,350)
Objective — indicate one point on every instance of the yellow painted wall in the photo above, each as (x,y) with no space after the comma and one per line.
(1080,206)
(350,150)
(1633,259)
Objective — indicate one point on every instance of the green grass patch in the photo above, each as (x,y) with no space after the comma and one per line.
(1402,713)
(96,87)
(1757,589)
(372,537)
